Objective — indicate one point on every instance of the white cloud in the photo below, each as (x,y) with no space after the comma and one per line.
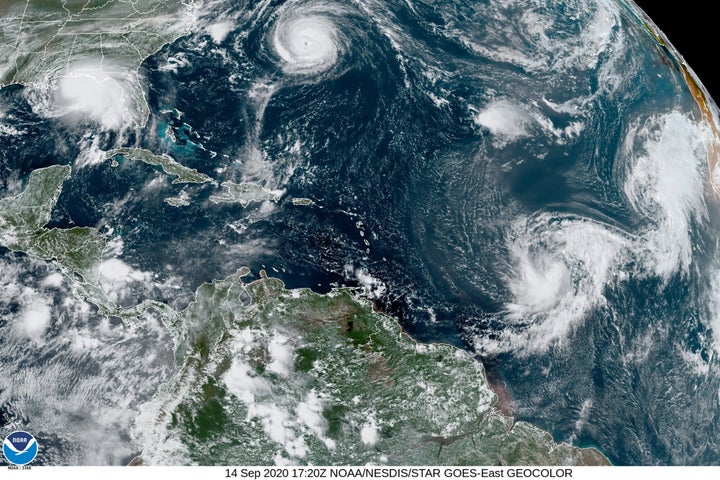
(54,280)
(90,152)
(219,31)
(115,270)
(369,432)
(665,181)
(505,119)
(309,412)
(173,63)
(117,276)
(35,319)
(281,355)
(97,95)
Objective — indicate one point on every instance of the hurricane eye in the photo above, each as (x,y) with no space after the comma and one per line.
(305,42)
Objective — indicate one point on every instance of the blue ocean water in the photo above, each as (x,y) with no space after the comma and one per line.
(437,165)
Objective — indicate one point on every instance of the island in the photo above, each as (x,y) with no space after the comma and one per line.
(168,164)
(266,375)
(245,193)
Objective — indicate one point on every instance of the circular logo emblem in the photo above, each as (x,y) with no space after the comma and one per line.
(20,448)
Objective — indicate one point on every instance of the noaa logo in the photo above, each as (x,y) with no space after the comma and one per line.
(20,448)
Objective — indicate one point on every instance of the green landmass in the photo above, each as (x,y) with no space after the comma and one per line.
(42,40)
(179,201)
(270,375)
(302,202)
(77,250)
(245,193)
(267,375)
(168,164)
(23,218)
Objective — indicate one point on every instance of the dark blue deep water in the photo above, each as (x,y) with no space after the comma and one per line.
(453,153)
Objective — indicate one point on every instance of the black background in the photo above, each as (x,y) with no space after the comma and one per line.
(692,29)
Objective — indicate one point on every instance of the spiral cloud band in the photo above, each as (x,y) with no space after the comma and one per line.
(306,41)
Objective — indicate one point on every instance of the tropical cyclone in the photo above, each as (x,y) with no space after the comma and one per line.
(533,177)
(303,376)
(306,40)
(707,110)
(89,48)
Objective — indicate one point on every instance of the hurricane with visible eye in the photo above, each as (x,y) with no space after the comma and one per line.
(306,39)
(528,181)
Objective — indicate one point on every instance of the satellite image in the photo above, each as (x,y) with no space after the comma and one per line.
(355,232)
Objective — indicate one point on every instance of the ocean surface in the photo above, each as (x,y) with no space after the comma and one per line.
(527,181)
